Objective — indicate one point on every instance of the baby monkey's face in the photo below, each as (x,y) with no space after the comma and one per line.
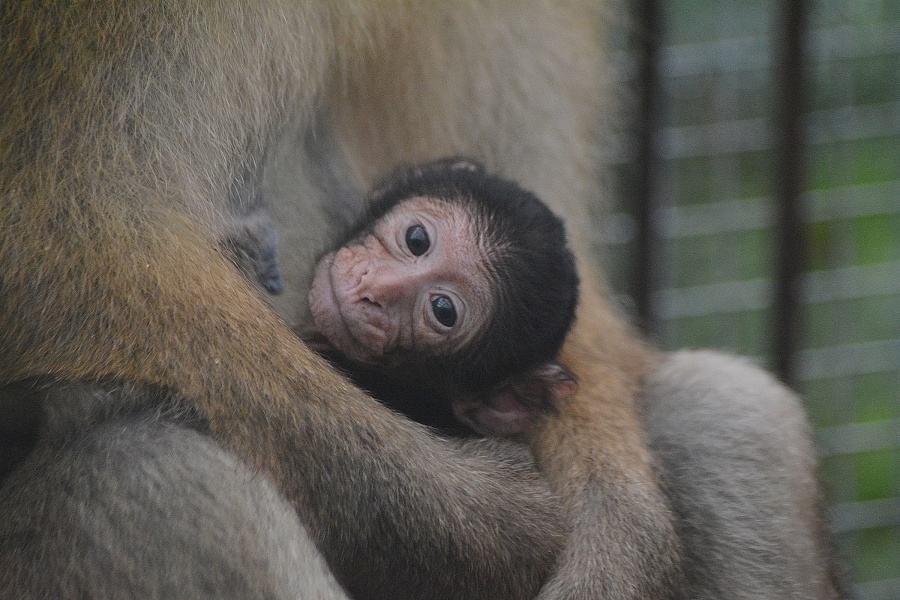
(417,279)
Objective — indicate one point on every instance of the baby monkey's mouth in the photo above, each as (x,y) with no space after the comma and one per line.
(347,322)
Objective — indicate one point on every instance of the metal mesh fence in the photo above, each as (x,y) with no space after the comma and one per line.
(716,252)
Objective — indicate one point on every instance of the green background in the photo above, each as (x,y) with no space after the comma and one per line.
(718,250)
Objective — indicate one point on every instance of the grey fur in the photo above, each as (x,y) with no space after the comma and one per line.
(126,497)
(739,466)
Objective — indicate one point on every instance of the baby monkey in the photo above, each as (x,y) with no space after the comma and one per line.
(450,300)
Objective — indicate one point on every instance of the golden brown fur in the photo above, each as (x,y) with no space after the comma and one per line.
(593,445)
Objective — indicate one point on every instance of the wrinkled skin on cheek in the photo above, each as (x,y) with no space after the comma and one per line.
(346,311)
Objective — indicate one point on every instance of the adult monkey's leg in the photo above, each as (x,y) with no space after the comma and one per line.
(123,496)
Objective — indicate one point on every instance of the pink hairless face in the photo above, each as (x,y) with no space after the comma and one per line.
(416,280)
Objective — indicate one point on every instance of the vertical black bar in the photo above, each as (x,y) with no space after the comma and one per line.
(789,181)
(649,28)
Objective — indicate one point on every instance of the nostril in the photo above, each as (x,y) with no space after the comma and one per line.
(368,300)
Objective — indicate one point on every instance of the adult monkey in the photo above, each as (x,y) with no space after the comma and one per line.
(129,132)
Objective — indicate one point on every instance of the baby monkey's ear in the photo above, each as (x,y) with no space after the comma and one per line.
(516,404)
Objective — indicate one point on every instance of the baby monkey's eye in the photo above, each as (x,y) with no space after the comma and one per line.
(444,311)
(417,240)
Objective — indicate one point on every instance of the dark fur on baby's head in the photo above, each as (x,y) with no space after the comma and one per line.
(533,269)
